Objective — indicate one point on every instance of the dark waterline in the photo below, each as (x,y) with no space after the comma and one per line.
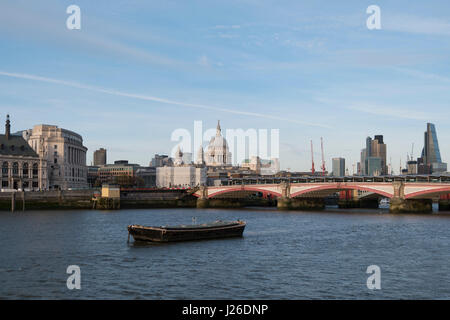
(283,255)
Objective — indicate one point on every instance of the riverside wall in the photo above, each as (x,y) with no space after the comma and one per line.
(83,199)
(46,200)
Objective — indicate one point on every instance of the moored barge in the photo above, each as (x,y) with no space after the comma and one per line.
(214,230)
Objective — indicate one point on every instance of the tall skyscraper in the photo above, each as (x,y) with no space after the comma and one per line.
(100,157)
(378,150)
(338,167)
(375,149)
(431,155)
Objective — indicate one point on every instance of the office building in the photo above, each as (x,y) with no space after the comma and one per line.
(431,155)
(64,152)
(161,160)
(120,170)
(147,175)
(338,167)
(374,166)
(375,148)
(100,157)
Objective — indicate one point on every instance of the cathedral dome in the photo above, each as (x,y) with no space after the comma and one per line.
(217,143)
(217,152)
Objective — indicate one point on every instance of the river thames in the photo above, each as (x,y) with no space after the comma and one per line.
(283,255)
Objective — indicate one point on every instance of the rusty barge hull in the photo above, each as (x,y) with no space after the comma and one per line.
(187,233)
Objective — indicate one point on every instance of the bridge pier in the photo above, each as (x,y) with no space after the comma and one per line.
(399,205)
(283,203)
(444,202)
(202,203)
(300,204)
(444,205)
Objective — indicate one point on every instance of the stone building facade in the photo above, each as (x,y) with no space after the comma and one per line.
(21,166)
(64,152)
(181,174)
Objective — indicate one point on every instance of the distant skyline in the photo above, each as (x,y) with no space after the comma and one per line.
(138,70)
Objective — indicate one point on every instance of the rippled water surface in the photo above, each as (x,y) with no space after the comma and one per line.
(283,255)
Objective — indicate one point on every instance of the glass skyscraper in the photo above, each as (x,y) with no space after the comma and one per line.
(431,156)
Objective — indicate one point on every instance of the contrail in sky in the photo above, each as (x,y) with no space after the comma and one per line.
(152,98)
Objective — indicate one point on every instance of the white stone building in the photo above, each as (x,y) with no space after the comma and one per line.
(21,167)
(184,176)
(64,152)
(180,175)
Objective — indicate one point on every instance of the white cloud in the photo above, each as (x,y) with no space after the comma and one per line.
(234,26)
(155,99)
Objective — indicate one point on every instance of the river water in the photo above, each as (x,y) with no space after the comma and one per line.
(283,255)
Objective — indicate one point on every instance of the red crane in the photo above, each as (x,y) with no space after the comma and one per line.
(323,159)
(312,159)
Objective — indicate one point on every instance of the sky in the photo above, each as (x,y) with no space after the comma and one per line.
(138,70)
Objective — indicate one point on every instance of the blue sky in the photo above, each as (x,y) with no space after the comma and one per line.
(138,70)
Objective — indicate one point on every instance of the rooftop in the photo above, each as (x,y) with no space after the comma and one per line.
(16,146)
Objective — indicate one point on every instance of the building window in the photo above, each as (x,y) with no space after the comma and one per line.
(35,170)
(5,169)
(15,168)
(25,170)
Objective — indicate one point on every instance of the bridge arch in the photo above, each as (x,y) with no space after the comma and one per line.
(223,190)
(428,193)
(341,187)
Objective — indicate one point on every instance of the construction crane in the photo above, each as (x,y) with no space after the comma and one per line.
(312,159)
(390,169)
(412,151)
(323,158)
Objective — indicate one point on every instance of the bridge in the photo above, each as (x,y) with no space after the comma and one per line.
(406,194)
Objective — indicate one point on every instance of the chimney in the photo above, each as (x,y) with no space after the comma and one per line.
(7,127)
